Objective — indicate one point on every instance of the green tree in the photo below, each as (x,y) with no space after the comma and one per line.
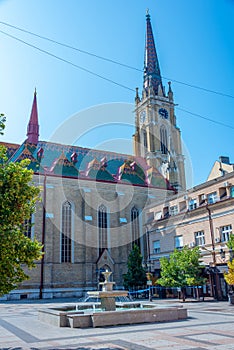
(136,275)
(17,202)
(230,243)
(2,123)
(181,270)
(229,276)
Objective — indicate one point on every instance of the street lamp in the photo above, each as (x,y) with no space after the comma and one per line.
(147,265)
(215,282)
(223,254)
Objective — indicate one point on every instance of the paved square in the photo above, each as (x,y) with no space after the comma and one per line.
(209,326)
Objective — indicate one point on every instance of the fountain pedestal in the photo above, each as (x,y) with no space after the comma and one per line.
(107,295)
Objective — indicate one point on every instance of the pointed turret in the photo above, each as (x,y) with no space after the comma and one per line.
(152,75)
(33,127)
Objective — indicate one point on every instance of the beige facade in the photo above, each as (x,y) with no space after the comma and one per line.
(202,216)
(55,276)
(220,168)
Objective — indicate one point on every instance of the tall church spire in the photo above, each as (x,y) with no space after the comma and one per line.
(152,75)
(33,127)
(157,137)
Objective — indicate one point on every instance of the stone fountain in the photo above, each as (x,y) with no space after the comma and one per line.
(107,295)
(108,312)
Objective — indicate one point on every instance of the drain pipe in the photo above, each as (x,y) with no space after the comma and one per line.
(43,239)
(216,282)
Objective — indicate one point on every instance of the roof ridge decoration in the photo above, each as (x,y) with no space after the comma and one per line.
(63,166)
(97,170)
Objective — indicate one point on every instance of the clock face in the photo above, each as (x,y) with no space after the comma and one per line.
(163,113)
(142,116)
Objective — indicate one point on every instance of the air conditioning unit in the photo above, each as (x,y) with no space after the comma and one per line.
(192,244)
(203,197)
(217,240)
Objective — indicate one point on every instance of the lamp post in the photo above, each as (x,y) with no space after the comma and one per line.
(147,265)
(214,278)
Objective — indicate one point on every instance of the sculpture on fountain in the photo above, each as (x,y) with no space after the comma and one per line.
(107,295)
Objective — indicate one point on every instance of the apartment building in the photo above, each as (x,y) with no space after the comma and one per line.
(202,216)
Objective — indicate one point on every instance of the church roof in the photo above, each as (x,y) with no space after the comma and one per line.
(11,148)
(78,162)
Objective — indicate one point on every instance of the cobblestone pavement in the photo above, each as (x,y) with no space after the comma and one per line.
(210,326)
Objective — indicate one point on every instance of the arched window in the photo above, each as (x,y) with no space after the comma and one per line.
(135,226)
(163,140)
(66,241)
(102,228)
(145,142)
(152,142)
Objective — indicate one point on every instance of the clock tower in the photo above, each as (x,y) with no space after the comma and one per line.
(157,137)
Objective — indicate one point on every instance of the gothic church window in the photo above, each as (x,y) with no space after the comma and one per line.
(145,139)
(66,239)
(152,142)
(163,140)
(102,228)
(135,226)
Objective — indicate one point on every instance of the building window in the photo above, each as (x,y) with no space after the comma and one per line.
(212,197)
(135,226)
(199,238)
(66,241)
(163,140)
(102,229)
(179,242)
(232,192)
(166,212)
(174,210)
(152,142)
(28,229)
(145,138)
(225,232)
(156,247)
(192,204)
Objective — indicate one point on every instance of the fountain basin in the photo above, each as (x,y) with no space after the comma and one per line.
(146,313)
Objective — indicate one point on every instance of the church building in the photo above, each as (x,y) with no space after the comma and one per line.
(93,201)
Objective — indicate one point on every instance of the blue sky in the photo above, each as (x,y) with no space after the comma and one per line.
(194,42)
